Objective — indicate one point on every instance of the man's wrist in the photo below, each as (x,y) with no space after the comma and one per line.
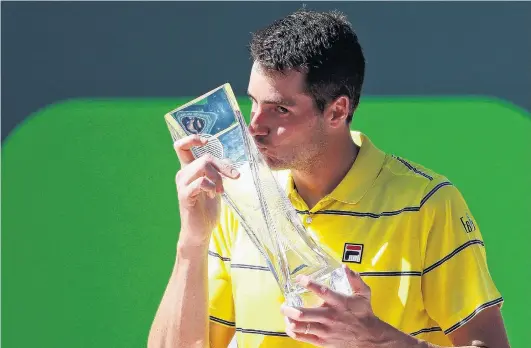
(380,332)
(190,248)
(194,237)
(384,335)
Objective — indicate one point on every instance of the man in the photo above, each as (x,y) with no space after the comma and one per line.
(416,260)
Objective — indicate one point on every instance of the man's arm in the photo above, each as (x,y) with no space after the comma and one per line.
(182,317)
(485,330)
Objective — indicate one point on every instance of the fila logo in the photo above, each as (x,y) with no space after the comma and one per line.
(352,252)
(467,223)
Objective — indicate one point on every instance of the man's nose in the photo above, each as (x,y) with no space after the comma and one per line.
(257,126)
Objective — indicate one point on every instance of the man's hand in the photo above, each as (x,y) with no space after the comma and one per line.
(341,321)
(199,183)
(348,321)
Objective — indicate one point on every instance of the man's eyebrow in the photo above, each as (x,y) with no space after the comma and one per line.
(287,102)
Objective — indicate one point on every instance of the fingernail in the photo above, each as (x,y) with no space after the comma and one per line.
(233,172)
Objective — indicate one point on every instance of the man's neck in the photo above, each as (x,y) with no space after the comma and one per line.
(324,175)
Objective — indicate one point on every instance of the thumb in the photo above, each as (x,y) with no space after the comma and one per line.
(359,287)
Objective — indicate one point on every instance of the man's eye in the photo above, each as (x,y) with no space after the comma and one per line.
(282,110)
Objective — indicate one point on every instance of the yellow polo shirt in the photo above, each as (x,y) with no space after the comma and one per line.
(406,229)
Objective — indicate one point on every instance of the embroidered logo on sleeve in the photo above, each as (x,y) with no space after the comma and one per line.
(468,223)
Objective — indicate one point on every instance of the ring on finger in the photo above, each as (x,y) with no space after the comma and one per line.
(307,329)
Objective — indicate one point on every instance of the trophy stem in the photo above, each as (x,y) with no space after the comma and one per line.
(251,235)
(282,277)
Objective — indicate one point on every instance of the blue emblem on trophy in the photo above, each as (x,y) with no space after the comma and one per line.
(257,200)
(195,122)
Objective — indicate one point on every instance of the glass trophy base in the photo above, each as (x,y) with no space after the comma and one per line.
(299,296)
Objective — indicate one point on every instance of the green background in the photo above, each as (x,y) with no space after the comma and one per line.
(90,213)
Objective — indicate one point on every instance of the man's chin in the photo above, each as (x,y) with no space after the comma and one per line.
(274,163)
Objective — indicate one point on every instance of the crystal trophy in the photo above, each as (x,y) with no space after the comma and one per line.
(258,201)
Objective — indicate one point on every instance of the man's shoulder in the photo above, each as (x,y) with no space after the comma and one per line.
(407,178)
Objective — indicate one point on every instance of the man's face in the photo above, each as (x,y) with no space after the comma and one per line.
(286,125)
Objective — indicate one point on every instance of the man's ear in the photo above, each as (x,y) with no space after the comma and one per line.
(336,113)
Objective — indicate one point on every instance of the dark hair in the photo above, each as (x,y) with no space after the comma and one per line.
(321,44)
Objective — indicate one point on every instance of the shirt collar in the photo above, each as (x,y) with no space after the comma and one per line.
(361,175)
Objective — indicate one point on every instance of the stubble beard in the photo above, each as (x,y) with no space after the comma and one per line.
(304,157)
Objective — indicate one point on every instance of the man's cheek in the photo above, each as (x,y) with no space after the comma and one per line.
(282,132)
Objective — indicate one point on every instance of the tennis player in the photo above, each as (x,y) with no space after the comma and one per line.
(412,249)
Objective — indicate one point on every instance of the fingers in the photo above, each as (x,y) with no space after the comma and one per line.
(209,166)
(203,175)
(201,184)
(308,338)
(318,314)
(222,167)
(307,328)
(183,149)
(310,332)
(328,295)
(359,287)
(183,146)
(197,169)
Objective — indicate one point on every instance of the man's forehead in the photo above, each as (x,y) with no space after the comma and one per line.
(272,73)
(279,82)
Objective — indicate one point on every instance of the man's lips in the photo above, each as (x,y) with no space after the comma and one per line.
(266,151)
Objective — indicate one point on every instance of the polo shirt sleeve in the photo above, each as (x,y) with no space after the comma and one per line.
(221,304)
(456,283)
